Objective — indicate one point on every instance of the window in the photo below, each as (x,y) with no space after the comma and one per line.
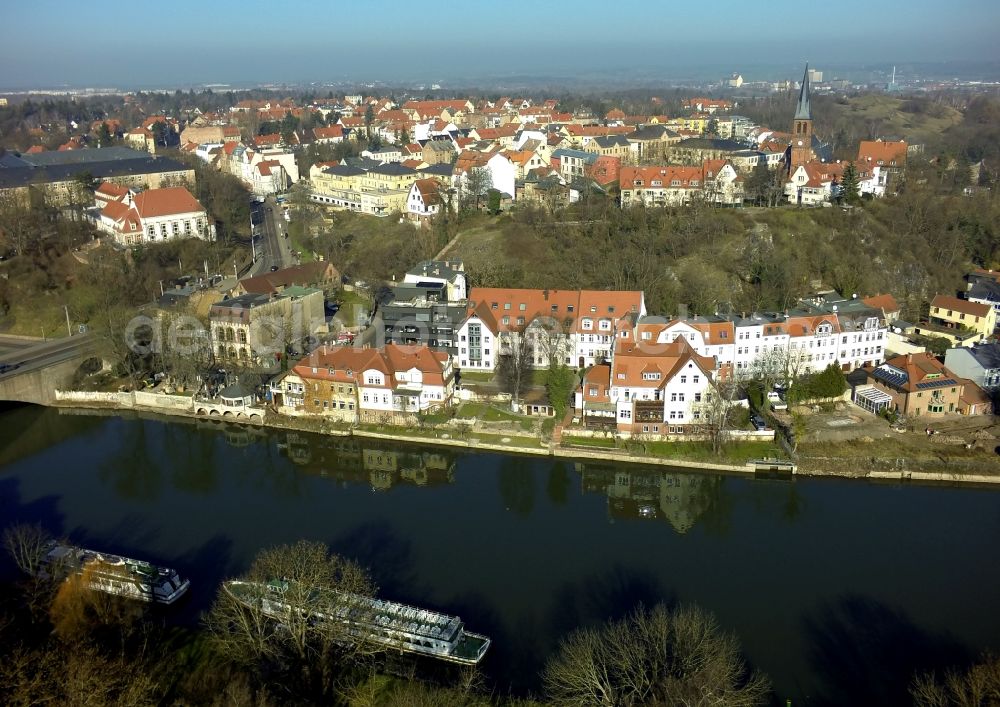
(522,307)
(684,379)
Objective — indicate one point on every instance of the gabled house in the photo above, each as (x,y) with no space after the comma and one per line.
(917,385)
(394,384)
(980,364)
(651,142)
(153,215)
(814,183)
(722,183)
(424,201)
(329,135)
(613,146)
(660,186)
(952,313)
(879,162)
(666,391)
(576,328)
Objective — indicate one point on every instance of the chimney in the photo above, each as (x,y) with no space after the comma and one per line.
(545,294)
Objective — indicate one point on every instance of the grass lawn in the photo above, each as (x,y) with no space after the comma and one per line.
(488,413)
(597,442)
(477,376)
(734,453)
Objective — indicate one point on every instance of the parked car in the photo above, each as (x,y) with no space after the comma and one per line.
(758,422)
(776,401)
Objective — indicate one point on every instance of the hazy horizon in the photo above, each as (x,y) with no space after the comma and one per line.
(190,44)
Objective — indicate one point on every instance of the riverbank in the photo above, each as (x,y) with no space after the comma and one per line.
(881,468)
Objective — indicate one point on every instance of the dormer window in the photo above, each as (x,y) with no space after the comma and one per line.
(587,323)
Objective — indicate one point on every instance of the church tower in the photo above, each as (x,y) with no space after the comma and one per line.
(802,128)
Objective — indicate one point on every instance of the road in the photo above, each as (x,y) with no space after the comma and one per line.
(272,247)
(32,354)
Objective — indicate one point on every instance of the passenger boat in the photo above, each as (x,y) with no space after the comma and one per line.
(114,574)
(391,624)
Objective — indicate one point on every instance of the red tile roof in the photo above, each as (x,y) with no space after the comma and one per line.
(166,202)
(878,152)
(961,305)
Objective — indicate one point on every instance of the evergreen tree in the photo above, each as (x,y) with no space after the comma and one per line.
(104,136)
(849,185)
(758,183)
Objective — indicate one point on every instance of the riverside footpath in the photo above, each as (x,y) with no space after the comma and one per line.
(874,460)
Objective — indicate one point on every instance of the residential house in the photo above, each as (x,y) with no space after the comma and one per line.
(721,183)
(448,273)
(605,170)
(524,161)
(503,173)
(438,152)
(980,364)
(951,313)
(329,135)
(917,385)
(878,163)
(573,164)
(666,392)
(984,288)
(424,201)
(660,186)
(613,146)
(317,274)
(394,384)
(694,151)
(814,183)
(651,142)
(572,327)
(256,329)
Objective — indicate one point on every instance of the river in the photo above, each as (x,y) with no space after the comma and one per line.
(837,589)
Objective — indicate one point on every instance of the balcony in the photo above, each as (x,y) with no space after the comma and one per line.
(648,410)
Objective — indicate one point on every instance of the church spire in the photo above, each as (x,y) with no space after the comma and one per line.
(802,111)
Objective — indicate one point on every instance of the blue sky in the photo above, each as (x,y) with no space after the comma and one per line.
(50,42)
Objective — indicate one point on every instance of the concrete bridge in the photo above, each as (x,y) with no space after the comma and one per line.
(32,369)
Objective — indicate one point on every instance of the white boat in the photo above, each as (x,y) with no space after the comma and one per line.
(393,625)
(114,574)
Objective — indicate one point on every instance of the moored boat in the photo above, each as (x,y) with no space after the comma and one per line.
(404,628)
(114,574)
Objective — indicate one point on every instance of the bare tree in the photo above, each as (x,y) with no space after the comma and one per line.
(979,686)
(516,359)
(27,545)
(715,409)
(477,184)
(315,584)
(656,656)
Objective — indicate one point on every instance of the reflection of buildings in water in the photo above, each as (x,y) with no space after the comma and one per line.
(345,459)
(680,499)
(235,435)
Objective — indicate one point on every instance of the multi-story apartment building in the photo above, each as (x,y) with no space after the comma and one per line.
(392,384)
(573,327)
(257,329)
(662,391)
